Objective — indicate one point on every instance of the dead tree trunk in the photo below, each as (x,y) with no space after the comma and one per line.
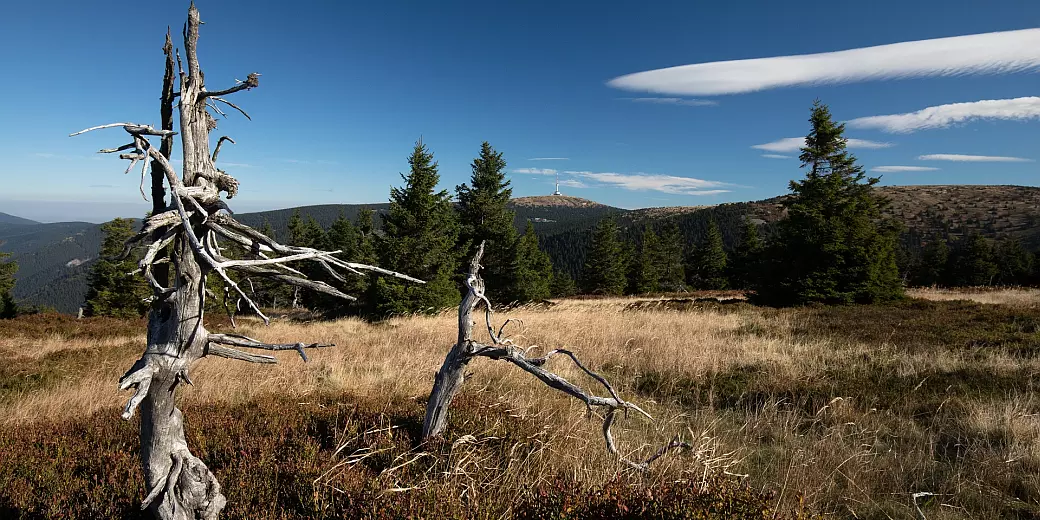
(180,485)
(451,375)
(162,270)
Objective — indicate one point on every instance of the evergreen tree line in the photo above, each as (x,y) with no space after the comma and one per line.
(658,260)
(970,261)
(425,234)
(834,244)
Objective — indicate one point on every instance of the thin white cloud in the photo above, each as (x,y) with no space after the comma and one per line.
(897,169)
(236,165)
(971,158)
(654,182)
(675,101)
(535,171)
(942,116)
(987,53)
(572,183)
(793,144)
(776,156)
(549,159)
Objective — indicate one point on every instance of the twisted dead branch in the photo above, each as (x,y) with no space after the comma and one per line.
(451,375)
(180,485)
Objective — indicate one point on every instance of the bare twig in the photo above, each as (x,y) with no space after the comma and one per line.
(230,104)
(216,150)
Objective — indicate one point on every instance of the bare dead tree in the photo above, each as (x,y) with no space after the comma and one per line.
(190,228)
(451,375)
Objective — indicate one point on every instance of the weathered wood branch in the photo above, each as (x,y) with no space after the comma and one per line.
(252,81)
(216,150)
(131,128)
(236,340)
(451,375)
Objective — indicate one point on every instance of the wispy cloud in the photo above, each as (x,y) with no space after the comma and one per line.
(897,169)
(776,156)
(793,144)
(971,158)
(654,182)
(573,183)
(549,159)
(535,171)
(675,101)
(102,186)
(942,116)
(235,164)
(987,53)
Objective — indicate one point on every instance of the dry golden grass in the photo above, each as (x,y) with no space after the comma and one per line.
(855,417)
(1022,297)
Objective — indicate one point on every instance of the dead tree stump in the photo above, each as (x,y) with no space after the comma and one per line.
(451,375)
(184,237)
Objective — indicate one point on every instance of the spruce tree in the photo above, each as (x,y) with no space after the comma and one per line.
(934,266)
(483,216)
(265,291)
(562,285)
(111,290)
(746,257)
(304,233)
(709,261)
(532,269)
(8,308)
(606,262)
(364,248)
(340,236)
(834,245)
(668,259)
(972,263)
(308,233)
(1014,263)
(420,235)
(645,278)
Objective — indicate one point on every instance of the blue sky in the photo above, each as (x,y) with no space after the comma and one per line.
(347,88)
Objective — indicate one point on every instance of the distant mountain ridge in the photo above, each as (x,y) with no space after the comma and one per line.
(54,258)
(11,219)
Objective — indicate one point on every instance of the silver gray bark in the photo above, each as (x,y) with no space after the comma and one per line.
(190,228)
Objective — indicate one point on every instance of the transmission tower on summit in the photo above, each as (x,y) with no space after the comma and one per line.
(557,192)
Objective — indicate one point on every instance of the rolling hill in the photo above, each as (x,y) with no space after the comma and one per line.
(54,258)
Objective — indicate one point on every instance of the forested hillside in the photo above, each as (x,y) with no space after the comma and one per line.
(52,261)
(53,258)
(11,219)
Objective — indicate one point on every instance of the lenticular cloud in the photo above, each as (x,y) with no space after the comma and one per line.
(988,53)
(942,116)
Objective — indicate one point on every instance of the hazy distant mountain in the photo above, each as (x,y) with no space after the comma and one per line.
(54,258)
(11,219)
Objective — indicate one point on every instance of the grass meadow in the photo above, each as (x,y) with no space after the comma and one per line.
(834,412)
